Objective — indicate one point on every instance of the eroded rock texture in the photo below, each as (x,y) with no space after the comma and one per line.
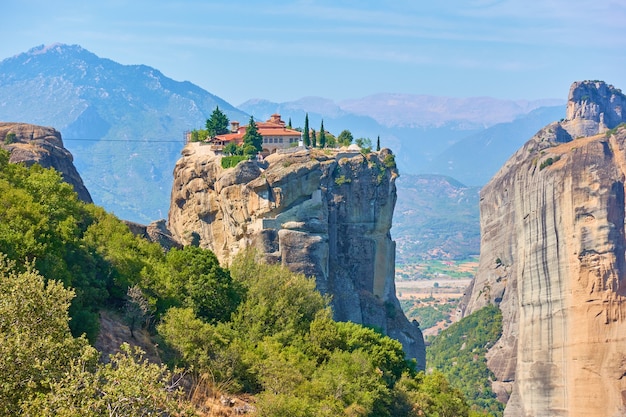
(552,257)
(322,213)
(32,144)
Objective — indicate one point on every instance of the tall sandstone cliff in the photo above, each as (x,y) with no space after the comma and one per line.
(326,214)
(32,144)
(552,257)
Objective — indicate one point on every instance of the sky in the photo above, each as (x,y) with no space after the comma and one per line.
(341,49)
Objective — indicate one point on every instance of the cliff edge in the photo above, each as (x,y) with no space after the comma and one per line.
(30,144)
(553,258)
(324,213)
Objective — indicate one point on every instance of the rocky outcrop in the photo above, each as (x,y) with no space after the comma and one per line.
(155,232)
(31,144)
(553,258)
(326,214)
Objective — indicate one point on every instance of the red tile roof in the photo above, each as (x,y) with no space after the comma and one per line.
(273,127)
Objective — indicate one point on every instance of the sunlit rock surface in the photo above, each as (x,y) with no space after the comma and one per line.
(552,257)
(324,213)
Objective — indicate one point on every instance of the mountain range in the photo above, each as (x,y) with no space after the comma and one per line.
(125,124)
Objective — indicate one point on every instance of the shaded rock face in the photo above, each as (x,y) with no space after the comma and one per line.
(31,144)
(326,214)
(553,257)
(155,232)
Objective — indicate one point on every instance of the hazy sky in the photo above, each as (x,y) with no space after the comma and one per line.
(340,49)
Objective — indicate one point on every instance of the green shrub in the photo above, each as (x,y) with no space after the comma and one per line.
(342,180)
(10,138)
(231,161)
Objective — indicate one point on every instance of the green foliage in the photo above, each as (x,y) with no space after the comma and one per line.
(259,328)
(548,162)
(322,138)
(252,139)
(459,353)
(365,144)
(217,124)
(345,138)
(389,161)
(125,386)
(283,345)
(278,303)
(313,138)
(613,131)
(199,135)
(232,161)
(196,280)
(47,372)
(232,149)
(36,343)
(426,315)
(10,138)
(340,180)
(378,144)
(305,131)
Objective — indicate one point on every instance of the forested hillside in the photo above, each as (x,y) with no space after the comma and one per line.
(256,330)
(459,353)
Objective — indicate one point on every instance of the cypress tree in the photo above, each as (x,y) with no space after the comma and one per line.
(305,132)
(313,138)
(322,136)
(378,143)
(289,124)
(252,137)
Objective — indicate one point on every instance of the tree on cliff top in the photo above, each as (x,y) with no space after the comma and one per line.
(217,124)
(305,131)
(345,138)
(322,136)
(252,138)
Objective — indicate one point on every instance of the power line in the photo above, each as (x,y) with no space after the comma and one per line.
(124,140)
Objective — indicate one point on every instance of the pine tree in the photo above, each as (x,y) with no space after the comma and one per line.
(217,124)
(252,138)
(322,136)
(305,132)
(378,143)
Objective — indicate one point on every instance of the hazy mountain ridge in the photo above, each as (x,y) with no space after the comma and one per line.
(124,123)
(449,141)
(408,110)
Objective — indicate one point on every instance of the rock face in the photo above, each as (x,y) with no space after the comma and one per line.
(326,214)
(156,232)
(32,144)
(553,257)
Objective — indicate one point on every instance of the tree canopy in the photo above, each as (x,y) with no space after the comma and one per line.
(345,138)
(217,124)
(252,139)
